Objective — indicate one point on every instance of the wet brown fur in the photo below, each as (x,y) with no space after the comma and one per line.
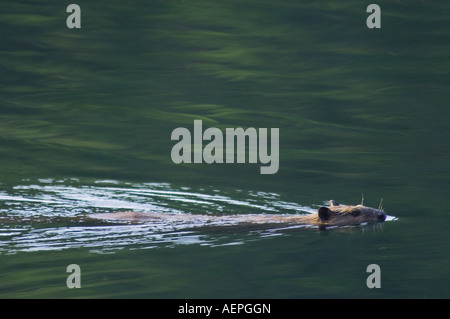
(334,215)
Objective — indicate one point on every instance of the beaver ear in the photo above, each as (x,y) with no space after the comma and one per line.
(324,213)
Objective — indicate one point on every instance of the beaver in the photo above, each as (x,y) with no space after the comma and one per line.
(334,215)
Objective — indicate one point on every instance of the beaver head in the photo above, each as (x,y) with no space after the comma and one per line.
(338,214)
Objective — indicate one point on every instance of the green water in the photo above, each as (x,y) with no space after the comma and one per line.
(86,117)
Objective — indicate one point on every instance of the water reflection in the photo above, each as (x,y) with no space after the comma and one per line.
(54,215)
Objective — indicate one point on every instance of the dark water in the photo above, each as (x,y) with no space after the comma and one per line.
(86,117)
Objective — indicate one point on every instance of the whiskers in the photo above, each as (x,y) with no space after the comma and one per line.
(380,207)
(376,228)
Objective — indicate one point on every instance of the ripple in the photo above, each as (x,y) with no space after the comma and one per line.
(50,215)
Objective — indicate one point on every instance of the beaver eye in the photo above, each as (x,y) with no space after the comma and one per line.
(356,213)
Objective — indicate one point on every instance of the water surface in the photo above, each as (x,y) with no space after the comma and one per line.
(86,117)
